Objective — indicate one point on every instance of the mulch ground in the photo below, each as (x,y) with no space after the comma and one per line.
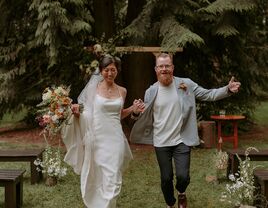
(21,134)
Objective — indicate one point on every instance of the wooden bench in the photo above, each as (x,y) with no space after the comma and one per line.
(12,180)
(233,162)
(29,155)
(261,184)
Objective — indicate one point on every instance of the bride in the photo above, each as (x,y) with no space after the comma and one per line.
(97,148)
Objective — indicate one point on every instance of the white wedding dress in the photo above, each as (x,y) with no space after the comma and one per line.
(98,150)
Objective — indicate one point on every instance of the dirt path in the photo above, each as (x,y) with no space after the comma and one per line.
(21,135)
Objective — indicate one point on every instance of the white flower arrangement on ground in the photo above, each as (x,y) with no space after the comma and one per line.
(240,192)
(51,164)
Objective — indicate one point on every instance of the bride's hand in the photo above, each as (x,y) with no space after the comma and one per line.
(138,106)
(75,109)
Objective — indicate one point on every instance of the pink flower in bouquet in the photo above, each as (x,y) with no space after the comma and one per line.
(46,119)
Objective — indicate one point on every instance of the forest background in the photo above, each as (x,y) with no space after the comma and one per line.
(44,42)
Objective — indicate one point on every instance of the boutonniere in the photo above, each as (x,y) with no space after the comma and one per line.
(183,86)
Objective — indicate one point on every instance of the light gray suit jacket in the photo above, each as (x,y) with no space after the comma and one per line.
(142,131)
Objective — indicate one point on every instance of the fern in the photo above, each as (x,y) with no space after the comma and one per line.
(226,30)
(140,26)
(220,6)
(55,21)
(175,35)
(9,53)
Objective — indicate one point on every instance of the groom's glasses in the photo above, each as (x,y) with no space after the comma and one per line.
(168,66)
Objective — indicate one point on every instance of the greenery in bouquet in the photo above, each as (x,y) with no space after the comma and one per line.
(241,189)
(54,109)
(51,164)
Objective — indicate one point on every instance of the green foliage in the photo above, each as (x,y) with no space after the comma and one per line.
(175,35)
(41,44)
(55,21)
(219,41)
(261,114)
(140,25)
(221,6)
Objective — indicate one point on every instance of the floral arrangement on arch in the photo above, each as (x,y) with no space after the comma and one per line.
(54,109)
(241,190)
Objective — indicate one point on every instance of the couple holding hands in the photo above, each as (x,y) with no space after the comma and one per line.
(96,145)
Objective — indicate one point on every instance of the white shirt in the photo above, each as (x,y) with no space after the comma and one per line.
(167,117)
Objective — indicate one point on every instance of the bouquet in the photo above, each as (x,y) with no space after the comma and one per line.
(54,110)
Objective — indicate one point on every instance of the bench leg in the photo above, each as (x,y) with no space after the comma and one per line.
(235,165)
(257,192)
(36,175)
(19,192)
(229,166)
(40,172)
(260,192)
(10,195)
(265,189)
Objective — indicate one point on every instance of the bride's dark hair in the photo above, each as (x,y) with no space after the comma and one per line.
(107,59)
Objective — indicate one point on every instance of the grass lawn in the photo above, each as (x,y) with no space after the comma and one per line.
(141,182)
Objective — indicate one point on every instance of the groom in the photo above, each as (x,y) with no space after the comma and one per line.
(169,122)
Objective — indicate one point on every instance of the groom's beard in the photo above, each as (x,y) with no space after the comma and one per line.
(165,79)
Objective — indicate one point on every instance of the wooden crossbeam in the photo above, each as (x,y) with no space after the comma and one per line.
(154,50)
(144,49)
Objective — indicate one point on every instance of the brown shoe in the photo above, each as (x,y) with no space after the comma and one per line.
(182,201)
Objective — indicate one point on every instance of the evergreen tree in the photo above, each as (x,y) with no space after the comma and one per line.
(216,37)
(42,41)
(41,44)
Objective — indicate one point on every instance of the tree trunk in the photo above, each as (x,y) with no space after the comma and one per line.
(104,18)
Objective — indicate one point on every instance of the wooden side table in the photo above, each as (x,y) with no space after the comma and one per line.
(220,119)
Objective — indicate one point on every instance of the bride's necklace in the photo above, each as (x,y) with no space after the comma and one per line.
(108,89)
